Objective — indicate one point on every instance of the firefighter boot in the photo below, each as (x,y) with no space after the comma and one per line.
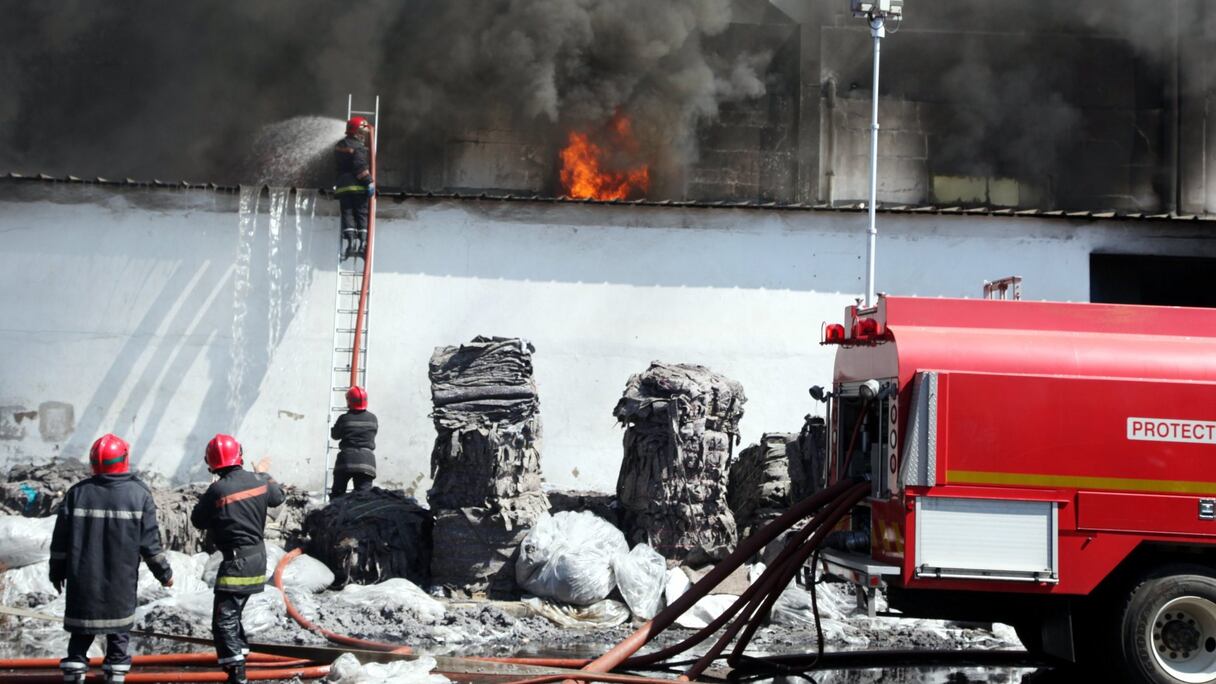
(74,676)
(236,673)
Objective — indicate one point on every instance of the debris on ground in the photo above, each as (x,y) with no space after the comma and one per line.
(347,669)
(24,541)
(682,421)
(759,488)
(485,463)
(370,536)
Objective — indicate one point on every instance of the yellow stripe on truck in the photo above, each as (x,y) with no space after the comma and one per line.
(979,477)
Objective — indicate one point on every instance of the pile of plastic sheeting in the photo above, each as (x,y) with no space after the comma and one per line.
(578,559)
(485,463)
(682,423)
(759,489)
(370,536)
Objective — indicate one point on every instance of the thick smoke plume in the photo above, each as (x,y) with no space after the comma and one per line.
(180,90)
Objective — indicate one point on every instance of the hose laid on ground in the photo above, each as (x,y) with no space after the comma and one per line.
(311,672)
(156,660)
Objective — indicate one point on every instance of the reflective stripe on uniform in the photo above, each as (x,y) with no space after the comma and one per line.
(240,581)
(230,660)
(116,667)
(72,666)
(240,496)
(349,189)
(360,468)
(69,621)
(106,513)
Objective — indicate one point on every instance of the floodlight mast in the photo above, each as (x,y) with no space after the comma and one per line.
(876,12)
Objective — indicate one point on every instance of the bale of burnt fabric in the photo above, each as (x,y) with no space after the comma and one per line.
(759,488)
(682,422)
(35,490)
(371,535)
(486,415)
(478,546)
(485,464)
(806,453)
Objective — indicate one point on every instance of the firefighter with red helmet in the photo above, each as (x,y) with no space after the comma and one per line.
(355,185)
(355,432)
(233,512)
(105,525)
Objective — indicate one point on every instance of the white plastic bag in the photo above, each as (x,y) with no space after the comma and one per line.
(346,669)
(187,578)
(641,575)
(568,557)
(306,573)
(394,594)
(24,541)
(601,614)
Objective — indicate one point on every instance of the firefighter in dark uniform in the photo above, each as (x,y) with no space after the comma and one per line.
(355,432)
(355,185)
(233,512)
(105,525)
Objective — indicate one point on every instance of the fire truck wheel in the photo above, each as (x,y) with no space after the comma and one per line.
(1169,627)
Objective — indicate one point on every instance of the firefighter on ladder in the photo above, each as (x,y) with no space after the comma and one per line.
(233,512)
(104,526)
(355,431)
(355,185)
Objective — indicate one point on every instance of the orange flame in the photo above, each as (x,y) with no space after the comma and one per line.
(584,174)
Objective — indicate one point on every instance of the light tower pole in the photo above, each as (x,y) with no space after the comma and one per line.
(876,12)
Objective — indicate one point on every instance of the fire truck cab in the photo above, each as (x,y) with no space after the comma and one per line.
(1046,465)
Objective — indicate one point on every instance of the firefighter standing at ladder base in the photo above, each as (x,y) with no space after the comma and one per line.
(233,511)
(355,431)
(355,185)
(105,525)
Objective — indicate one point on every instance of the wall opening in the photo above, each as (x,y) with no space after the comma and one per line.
(1149,279)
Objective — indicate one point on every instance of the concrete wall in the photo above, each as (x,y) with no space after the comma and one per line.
(119,306)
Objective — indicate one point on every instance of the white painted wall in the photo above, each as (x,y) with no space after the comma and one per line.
(120,303)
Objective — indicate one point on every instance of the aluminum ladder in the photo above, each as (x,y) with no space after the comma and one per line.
(352,304)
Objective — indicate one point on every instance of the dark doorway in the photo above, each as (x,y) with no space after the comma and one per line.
(1156,280)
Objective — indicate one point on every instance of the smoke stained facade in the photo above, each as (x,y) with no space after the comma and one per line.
(1022,104)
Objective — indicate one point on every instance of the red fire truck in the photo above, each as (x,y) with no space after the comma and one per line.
(1046,465)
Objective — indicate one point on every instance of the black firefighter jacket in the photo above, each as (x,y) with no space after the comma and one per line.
(233,511)
(356,435)
(105,525)
(354,171)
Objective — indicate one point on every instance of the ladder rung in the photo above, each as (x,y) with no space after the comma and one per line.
(347,331)
(349,292)
(348,311)
(347,350)
(356,111)
(350,273)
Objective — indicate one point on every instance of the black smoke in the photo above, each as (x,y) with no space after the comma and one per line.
(180,90)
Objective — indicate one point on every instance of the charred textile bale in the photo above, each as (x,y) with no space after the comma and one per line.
(760,482)
(372,535)
(806,454)
(682,421)
(478,545)
(485,463)
(35,491)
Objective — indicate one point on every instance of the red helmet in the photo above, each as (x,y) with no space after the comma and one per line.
(356,398)
(223,451)
(355,123)
(110,455)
